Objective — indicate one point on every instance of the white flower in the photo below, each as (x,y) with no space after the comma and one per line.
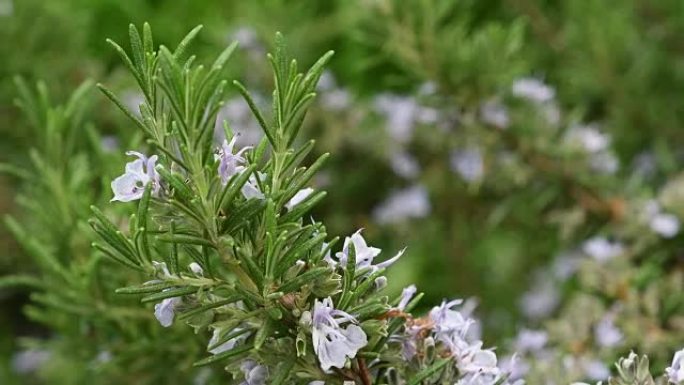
(675,372)
(402,114)
(364,254)
(606,333)
(165,310)
(131,185)
(299,197)
(468,163)
(412,202)
(337,99)
(333,343)
(601,249)
(533,89)
(255,374)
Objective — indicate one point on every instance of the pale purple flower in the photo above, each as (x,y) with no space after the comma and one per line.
(451,328)
(406,296)
(132,100)
(596,370)
(227,345)
(565,265)
(332,342)
(675,372)
(604,162)
(478,366)
(165,310)
(404,165)
(364,254)
(410,203)
(337,99)
(28,361)
(606,333)
(530,341)
(250,190)
(494,113)
(196,269)
(246,37)
(402,114)
(255,374)
(229,163)
(109,143)
(468,163)
(665,225)
(533,89)
(299,197)
(601,249)
(131,185)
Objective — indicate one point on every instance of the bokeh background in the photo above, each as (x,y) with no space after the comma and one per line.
(457,128)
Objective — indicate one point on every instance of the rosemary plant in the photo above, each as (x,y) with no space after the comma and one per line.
(225,237)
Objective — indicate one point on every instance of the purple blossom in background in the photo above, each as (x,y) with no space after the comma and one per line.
(242,122)
(664,224)
(131,185)
(601,249)
(494,113)
(533,89)
(109,143)
(587,137)
(333,343)
(530,341)
(606,333)
(541,300)
(132,99)
(604,162)
(404,165)
(410,203)
(402,114)
(28,361)
(468,163)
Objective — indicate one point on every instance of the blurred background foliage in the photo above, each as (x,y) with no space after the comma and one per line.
(420,100)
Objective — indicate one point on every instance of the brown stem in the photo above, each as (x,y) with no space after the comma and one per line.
(363,372)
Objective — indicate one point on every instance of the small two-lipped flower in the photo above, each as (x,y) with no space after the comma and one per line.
(231,164)
(364,254)
(131,185)
(332,341)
